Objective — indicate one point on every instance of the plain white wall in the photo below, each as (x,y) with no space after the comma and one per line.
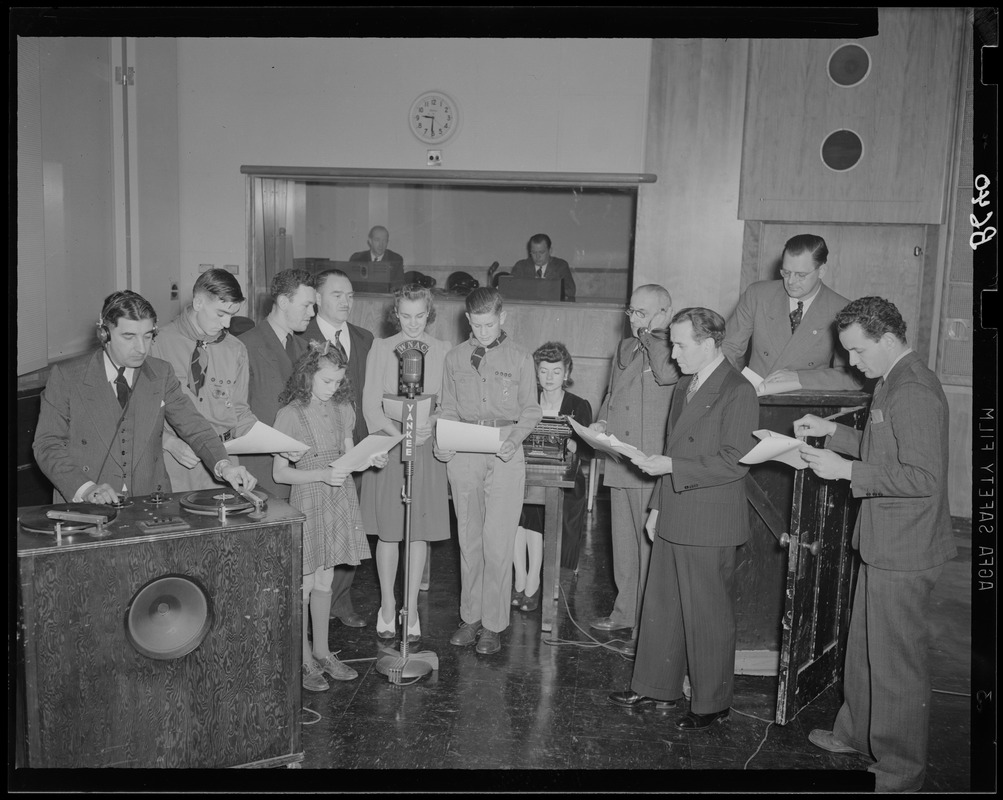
(525,105)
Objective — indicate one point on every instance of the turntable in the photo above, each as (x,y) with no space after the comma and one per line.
(223,501)
(66,519)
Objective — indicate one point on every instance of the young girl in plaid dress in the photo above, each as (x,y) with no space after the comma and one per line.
(317,411)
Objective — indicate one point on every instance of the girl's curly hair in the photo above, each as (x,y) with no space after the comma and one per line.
(554,353)
(299,387)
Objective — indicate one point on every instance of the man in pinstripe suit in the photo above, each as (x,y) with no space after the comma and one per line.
(903,534)
(698,518)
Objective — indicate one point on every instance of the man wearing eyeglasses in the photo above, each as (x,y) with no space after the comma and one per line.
(635,410)
(790,323)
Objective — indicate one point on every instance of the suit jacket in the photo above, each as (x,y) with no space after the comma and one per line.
(268,369)
(702,501)
(557,269)
(394,260)
(813,350)
(904,522)
(636,405)
(360,341)
(78,427)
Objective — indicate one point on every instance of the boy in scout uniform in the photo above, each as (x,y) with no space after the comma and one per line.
(488,380)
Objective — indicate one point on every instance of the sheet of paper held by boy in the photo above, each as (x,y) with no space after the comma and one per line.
(464,437)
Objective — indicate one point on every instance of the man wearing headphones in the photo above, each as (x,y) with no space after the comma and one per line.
(101,424)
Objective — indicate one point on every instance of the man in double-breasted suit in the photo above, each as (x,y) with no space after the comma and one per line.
(101,424)
(634,410)
(698,519)
(334,297)
(903,534)
(790,324)
(272,349)
(379,238)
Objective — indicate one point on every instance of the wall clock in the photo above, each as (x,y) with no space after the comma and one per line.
(434,117)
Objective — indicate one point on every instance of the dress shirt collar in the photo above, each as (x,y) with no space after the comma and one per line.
(328,329)
(111,371)
(705,371)
(792,302)
(891,366)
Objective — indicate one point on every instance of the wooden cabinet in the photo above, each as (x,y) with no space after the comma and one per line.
(902,110)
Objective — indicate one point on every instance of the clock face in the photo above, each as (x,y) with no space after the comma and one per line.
(433,117)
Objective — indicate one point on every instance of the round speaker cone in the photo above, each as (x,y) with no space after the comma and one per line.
(168,617)
(842,150)
(849,65)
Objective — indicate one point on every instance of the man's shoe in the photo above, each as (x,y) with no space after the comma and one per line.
(827,741)
(607,624)
(700,722)
(489,643)
(466,634)
(352,620)
(337,670)
(313,677)
(631,699)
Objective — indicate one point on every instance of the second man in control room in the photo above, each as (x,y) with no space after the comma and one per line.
(541,264)
(379,238)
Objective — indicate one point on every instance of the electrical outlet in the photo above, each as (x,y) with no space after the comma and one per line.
(434,158)
(204,267)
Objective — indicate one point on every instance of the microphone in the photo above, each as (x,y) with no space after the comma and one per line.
(411,369)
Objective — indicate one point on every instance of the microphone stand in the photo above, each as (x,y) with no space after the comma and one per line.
(407,666)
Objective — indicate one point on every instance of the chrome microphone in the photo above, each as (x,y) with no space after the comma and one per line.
(411,369)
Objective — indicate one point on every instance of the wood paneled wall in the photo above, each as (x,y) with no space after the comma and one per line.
(590,332)
(903,112)
(689,237)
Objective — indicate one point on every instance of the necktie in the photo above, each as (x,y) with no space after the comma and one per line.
(198,370)
(290,348)
(539,272)
(796,315)
(122,387)
(340,347)
(692,388)
(480,351)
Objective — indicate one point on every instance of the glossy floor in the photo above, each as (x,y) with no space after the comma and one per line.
(541,703)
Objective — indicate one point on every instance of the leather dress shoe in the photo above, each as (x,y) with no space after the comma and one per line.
(698,722)
(631,699)
(827,741)
(607,624)
(466,634)
(489,642)
(352,620)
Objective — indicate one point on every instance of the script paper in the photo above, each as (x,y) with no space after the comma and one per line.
(393,407)
(358,457)
(769,388)
(607,444)
(263,439)
(466,438)
(775,447)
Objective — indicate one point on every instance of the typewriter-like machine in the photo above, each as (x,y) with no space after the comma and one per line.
(547,444)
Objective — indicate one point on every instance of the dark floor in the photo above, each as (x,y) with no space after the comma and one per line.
(539,705)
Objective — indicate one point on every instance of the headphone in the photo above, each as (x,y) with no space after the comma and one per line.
(118,300)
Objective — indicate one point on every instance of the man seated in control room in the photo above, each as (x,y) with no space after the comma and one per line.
(100,430)
(541,264)
(378,252)
(790,323)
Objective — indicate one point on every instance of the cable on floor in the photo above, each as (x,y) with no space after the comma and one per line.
(311,711)
(593,644)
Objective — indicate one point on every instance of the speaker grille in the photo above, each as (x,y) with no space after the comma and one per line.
(169,617)
(849,65)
